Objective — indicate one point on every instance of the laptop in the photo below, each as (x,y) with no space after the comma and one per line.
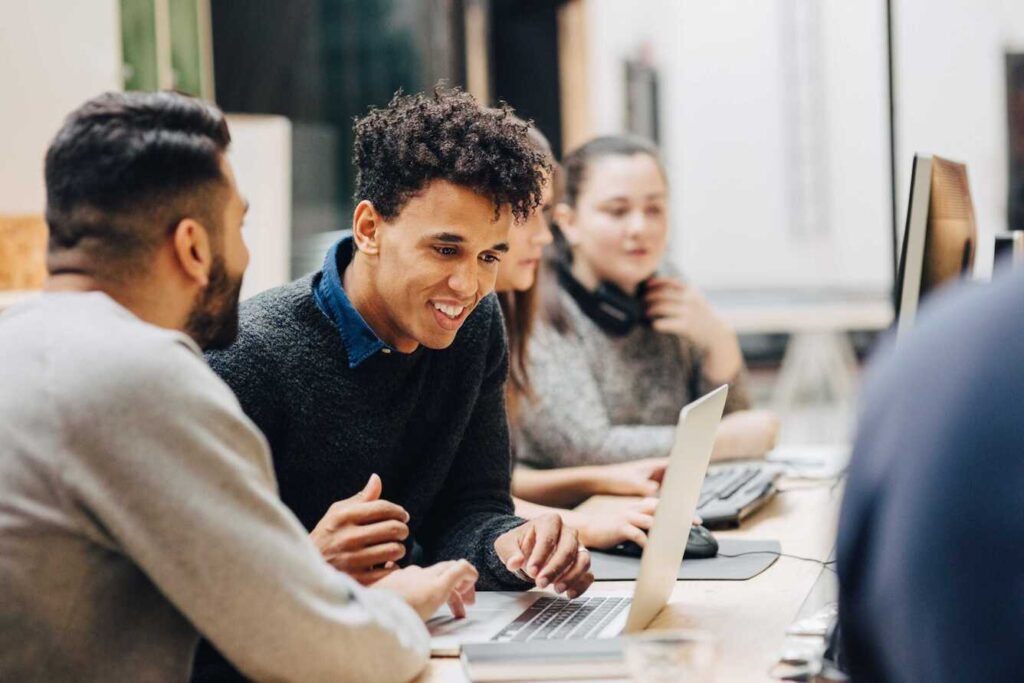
(602,612)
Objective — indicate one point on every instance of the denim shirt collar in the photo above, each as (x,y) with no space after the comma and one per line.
(360,340)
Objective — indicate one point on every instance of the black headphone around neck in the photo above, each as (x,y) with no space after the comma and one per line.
(611,309)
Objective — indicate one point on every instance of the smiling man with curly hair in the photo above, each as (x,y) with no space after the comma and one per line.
(379,380)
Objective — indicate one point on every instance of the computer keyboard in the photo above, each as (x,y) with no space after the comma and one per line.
(551,618)
(731,492)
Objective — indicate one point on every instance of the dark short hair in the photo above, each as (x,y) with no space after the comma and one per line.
(446,135)
(577,162)
(127,167)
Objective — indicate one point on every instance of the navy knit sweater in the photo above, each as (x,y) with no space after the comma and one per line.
(431,423)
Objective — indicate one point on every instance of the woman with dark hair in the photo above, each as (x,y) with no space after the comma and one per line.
(626,342)
(518,292)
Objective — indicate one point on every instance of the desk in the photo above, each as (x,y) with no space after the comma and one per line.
(748,617)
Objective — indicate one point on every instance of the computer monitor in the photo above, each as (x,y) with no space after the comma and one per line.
(940,238)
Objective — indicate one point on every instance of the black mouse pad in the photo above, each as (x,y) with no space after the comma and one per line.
(751,558)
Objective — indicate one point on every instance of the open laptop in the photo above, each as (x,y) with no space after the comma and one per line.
(540,615)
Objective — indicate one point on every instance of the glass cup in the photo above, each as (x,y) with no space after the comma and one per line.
(671,657)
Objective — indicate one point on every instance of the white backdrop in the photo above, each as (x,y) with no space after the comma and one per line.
(775,137)
(54,55)
(745,95)
(951,97)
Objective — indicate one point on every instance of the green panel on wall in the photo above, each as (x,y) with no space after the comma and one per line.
(186,60)
(138,37)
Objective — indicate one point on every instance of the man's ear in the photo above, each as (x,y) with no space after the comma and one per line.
(193,251)
(564,217)
(366,224)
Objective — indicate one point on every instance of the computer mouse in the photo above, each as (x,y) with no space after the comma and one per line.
(699,545)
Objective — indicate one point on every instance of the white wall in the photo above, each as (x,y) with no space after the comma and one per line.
(729,131)
(54,54)
(261,156)
(951,97)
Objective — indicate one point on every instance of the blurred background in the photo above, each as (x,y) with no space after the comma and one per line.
(788,127)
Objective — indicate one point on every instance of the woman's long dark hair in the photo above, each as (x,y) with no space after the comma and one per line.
(520,310)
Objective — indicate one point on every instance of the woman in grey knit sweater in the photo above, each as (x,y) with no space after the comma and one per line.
(622,349)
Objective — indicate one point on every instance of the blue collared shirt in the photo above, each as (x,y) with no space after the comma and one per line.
(361,341)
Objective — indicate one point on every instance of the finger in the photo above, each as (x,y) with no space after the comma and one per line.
(370,491)
(459,578)
(647,506)
(438,569)
(467,590)
(662,282)
(655,469)
(646,487)
(634,533)
(547,534)
(376,511)
(367,558)
(456,605)
(667,309)
(468,593)
(640,520)
(561,559)
(580,585)
(375,534)
(372,576)
(575,577)
(373,488)
(524,545)
(454,571)
(663,295)
(633,487)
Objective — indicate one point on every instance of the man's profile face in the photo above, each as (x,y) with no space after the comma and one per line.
(213,322)
(437,259)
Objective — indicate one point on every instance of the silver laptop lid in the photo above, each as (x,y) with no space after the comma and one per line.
(680,490)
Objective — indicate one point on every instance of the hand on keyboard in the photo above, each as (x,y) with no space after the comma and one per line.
(427,588)
(549,553)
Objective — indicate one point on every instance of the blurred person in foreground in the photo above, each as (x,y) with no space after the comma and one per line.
(138,505)
(931,533)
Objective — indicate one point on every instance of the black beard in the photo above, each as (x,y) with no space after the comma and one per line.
(213,320)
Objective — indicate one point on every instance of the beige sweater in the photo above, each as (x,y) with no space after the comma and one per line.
(138,508)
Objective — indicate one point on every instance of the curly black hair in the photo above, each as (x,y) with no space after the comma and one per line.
(416,139)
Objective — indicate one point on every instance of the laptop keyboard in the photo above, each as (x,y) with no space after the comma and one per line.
(551,618)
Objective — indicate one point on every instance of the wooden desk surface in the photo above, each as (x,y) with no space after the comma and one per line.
(749,618)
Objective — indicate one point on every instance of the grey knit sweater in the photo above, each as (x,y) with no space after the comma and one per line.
(603,399)
(138,508)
